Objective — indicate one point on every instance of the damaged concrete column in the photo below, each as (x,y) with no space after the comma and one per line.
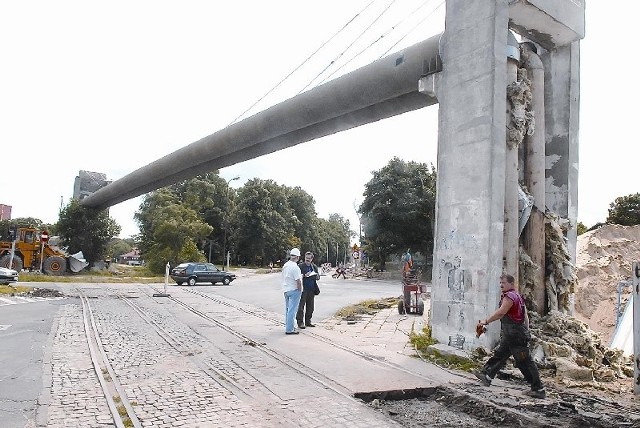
(469,237)
(511,229)
(534,234)
(557,26)
(562,100)
(472,155)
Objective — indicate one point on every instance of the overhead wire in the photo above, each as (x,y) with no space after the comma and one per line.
(303,62)
(412,29)
(348,47)
(393,27)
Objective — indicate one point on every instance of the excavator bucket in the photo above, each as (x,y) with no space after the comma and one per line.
(77,262)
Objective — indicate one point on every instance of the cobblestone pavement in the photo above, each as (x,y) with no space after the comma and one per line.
(222,364)
(202,360)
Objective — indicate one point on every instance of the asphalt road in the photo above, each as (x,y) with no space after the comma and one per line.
(24,330)
(264,290)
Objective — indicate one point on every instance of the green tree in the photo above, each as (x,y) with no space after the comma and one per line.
(334,237)
(306,224)
(264,223)
(625,210)
(399,210)
(23,222)
(581,228)
(212,198)
(85,229)
(117,246)
(170,229)
(261,222)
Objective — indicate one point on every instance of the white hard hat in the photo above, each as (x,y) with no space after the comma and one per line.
(295,252)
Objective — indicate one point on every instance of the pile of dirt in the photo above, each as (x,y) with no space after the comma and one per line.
(603,259)
(44,292)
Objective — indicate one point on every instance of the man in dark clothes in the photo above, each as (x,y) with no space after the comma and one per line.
(310,276)
(514,340)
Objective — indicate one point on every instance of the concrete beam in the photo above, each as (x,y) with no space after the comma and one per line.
(379,90)
(550,23)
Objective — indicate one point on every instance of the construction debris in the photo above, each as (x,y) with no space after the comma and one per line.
(563,343)
(521,120)
(577,353)
(561,278)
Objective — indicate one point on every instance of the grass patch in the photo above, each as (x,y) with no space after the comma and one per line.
(367,307)
(122,411)
(90,277)
(9,290)
(422,342)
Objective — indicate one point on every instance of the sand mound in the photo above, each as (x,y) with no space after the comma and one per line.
(603,259)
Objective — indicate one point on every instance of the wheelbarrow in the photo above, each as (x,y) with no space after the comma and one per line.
(412,290)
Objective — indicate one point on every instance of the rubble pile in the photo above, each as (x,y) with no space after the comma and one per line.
(576,352)
(44,292)
(560,273)
(603,259)
(567,344)
(561,278)
(527,268)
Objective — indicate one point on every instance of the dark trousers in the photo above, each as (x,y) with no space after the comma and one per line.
(306,302)
(516,346)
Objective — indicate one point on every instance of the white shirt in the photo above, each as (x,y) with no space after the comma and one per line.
(290,274)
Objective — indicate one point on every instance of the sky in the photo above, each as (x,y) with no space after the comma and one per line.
(111,86)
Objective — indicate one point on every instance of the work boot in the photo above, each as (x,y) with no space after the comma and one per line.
(537,393)
(486,380)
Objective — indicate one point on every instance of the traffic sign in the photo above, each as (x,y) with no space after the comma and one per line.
(44,236)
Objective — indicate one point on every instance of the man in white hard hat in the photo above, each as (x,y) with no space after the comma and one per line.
(292,288)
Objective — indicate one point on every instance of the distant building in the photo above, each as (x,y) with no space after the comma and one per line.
(5,212)
(131,258)
(87,183)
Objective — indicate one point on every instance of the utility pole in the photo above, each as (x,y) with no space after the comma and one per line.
(226,225)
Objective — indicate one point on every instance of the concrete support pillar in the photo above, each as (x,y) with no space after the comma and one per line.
(468,241)
(562,101)
(511,215)
(534,233)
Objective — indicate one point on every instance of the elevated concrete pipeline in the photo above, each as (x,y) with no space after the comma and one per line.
(384,88)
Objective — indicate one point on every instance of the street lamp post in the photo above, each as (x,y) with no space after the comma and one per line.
(224,242)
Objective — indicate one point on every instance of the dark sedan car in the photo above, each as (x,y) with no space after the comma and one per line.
(192,273)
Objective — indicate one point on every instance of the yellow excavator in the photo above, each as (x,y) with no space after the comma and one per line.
(33,252)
